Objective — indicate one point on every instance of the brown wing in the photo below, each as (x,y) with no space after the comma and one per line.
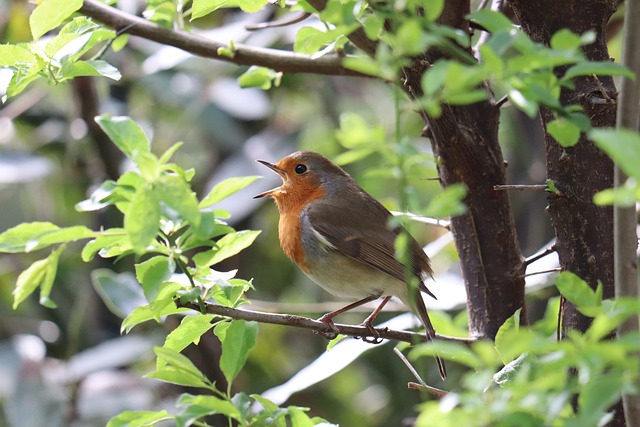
(357,227)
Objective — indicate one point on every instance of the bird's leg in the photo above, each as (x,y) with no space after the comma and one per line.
(328,318)
(368,323)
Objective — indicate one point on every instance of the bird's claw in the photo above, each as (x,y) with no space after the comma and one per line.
(330,335)
(375,338)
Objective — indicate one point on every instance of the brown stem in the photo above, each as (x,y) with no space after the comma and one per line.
(279,60)
(315,325)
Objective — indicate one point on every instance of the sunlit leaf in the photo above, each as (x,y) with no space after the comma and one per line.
(237,341)
(226,247)
(50,14)
(622,145)
(189,331)
(139,418)
(125,133)
(142,220)
(196,407)
(152,273)
(226,188)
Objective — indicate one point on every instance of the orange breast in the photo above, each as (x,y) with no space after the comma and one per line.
(290,206)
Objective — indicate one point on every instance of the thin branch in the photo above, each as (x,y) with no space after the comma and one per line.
(280,60)
(315,325)
(279,23)
(533,258)
(409,366)
(523,187)
(551,270)
(435,391)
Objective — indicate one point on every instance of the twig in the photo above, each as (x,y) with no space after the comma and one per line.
(522,187)
(279,60)
(552,270)
(279,23)
(315,325)
(533,258)
(409,366)
(500,102)
(423,219)
(435,391)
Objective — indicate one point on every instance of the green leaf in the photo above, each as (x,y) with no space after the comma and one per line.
(226,188)
(494,22)
(29,237)
(627,195)
(510,325)
(125,133)
(11,55)
(204,7)
(226,247)
(139,418)
(599,69)
(49,277)
(433,9)
(261,77)
(237,341)
(622,145)
(28,281)
(449,202)
(200,406)
(456,352)
(251,6)
(171,375)
(579,293)
(310,40)
(409,37)
(105,241)
(50,14)
(176,194)
(565,132)
(153,273)
(523,102)
(565,39)
(120,292)
(598,395)
(189,331)
(364,65)
(299,418)
(148,312)
(142,220)
(174,359)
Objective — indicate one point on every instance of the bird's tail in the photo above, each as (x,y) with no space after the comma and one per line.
(430,332)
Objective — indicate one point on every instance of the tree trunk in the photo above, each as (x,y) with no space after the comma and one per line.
(583,230)
(465,142)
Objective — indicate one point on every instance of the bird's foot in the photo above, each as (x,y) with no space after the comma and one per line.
(328,320)
(375,338)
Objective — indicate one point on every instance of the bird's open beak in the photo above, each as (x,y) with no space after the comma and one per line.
(276,170)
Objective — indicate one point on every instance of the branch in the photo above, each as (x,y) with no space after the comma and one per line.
(279,60)
(315,325)
(520,187)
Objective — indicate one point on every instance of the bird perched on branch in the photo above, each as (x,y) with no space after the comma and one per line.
(340,238)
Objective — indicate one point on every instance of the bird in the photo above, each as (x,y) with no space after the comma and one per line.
(339,236)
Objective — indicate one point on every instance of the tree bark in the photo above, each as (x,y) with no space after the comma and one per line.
(465,142)
(583,230)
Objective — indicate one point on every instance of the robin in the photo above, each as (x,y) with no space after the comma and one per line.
(339,236)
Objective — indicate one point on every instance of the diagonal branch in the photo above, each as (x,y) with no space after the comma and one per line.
(279,60)
(315,325)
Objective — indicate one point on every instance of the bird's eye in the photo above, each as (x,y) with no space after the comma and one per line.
(300,169)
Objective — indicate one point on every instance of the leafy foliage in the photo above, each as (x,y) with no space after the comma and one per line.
(163,220)
(535,387)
